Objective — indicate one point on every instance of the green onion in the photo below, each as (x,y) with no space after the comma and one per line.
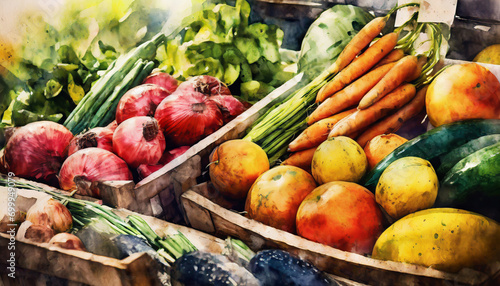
(84,212)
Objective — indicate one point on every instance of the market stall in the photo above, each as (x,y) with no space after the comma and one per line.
(252,143)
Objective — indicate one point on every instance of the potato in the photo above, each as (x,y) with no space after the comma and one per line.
(442,238)
(407,185)
(338,159)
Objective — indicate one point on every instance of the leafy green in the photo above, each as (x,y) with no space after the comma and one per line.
(328,35)
(220,42)
(62,54)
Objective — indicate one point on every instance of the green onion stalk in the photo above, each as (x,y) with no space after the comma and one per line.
(276,128)
(85,212)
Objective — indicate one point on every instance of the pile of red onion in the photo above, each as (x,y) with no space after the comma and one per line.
(156,122)
(197,108)
(37,150)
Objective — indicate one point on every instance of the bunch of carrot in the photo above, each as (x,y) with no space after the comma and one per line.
(383,87)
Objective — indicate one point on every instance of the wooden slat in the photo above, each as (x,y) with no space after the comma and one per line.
(83,267)
(344,264)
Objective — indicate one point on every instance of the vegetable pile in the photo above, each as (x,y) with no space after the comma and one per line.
(349,182)
(222,43)
(70,223)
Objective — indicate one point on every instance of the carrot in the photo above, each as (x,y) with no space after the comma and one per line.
(393,122)
(350,95)
(301,159)
(359,66)
(317,133)
(364,117)
(401,72)
(394,56)
(364,37)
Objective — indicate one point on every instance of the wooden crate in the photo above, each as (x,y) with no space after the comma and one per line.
(51,265)
(158,194)
(209,217)
(56,266)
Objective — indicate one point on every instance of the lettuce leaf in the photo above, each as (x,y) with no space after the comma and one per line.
(220,42)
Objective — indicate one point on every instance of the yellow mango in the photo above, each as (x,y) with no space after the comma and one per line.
(407,185)
(442,238)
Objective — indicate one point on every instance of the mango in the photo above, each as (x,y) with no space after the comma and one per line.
(407,185)
(442,238)
(275,196)
(234,167)
(339,159)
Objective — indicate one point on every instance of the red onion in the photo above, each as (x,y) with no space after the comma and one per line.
(229,106)
(86,167)
(205,84)
(141,100)
(99,137)
(138,140)
(37,150)
(112,126)
(188,117)
(145,170)
(169,155)
(162,79)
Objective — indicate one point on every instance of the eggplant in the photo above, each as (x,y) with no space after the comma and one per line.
(130,244)
(200,268)
(278,267)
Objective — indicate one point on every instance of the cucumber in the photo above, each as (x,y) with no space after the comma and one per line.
(447,161)
(434,143)
(475,175)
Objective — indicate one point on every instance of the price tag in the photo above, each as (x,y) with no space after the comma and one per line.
(437,11)
(404,14)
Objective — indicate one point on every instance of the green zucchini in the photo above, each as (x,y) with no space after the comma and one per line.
(473,183)
(447,161)
(434,143)
(478,172)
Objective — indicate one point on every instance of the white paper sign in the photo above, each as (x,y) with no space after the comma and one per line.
(438,11)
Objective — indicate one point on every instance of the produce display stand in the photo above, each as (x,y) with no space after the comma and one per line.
(209,217)
(57,266)
(158,194)
(208,211)
(51,265)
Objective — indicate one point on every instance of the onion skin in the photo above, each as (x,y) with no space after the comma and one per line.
(89,166)
(169,155)
(112,126)
(99,137)
(50,213)
(145,170)
(205,84)
(162,79)
(229,106)
(37,150)
(39,233)
(186,118)
(132,144)
(67,241)
(141,100)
